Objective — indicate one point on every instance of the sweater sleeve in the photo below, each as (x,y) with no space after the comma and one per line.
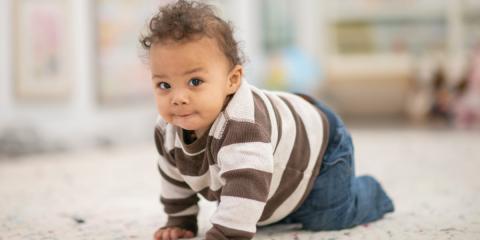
(245,159)
(179,200)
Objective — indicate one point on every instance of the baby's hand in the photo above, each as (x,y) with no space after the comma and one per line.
(172,234)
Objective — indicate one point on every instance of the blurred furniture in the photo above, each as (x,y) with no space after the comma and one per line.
(372,49)
(369,84)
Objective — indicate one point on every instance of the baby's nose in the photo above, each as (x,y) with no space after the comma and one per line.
(179,102)
(180,98)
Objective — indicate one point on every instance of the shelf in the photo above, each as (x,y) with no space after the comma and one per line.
(388,14)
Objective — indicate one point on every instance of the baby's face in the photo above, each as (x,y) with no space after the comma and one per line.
(191,82)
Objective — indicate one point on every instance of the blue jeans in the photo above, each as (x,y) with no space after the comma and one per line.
(338,199)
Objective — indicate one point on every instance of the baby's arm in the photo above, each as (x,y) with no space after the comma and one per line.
(180,202)
(246,166)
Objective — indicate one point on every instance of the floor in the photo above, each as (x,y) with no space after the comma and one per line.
(432,175)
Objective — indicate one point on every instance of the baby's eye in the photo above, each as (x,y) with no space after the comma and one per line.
(163,85)
(195,82)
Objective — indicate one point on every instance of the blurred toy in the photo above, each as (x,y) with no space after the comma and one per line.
(430,99)
(467,106)
(442,98)
(293,70)
(420,96)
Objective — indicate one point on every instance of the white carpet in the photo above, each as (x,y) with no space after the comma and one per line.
(432,176)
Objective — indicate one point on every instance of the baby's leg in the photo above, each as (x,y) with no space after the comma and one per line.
(340,200)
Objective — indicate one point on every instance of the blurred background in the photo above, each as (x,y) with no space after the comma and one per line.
(77,156)
(73,76)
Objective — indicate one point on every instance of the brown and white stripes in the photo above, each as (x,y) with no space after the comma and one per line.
(259,160)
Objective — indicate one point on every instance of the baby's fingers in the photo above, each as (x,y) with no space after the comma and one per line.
(163,234)
(172,234)
(177,233)
(188,234)
(158,234)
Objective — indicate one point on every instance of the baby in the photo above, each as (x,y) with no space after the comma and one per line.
(266,157)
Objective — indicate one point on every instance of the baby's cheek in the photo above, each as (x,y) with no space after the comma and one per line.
(167,117)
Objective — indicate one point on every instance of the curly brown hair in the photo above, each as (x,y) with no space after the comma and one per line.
(188,20)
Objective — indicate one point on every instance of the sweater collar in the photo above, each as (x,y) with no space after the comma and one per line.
(194,148)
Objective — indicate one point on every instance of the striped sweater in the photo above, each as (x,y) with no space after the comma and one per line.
(258,160)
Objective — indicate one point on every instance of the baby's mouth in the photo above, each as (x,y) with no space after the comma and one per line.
(183,115)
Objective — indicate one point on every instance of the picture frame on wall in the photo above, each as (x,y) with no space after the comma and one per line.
(122,75)
(42,50)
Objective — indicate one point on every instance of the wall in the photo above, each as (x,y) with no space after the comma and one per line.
(78,123)
(82,122)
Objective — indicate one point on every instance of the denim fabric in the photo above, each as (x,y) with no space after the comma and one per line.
(338,199)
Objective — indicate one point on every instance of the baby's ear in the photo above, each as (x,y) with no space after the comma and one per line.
(235,78)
